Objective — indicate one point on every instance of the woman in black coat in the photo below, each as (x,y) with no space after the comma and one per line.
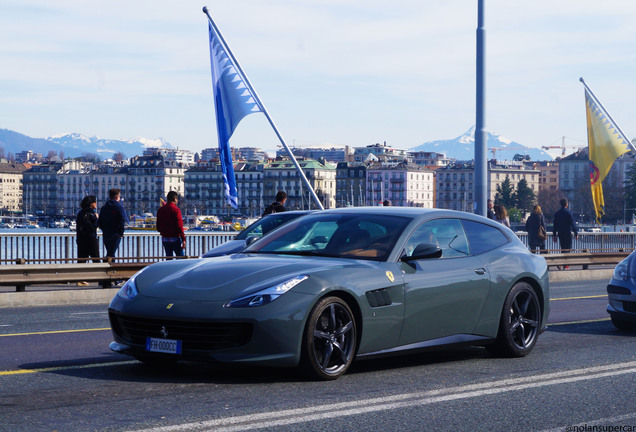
(87,221)
(534,221)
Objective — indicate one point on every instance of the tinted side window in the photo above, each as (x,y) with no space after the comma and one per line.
(482,237)
(448,234)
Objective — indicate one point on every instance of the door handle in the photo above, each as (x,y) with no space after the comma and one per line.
(480,271)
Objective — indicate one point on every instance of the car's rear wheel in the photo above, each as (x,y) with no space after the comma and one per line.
(329,341)
(519,323)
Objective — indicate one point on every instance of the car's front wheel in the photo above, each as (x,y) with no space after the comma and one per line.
(329,341)
(519,323)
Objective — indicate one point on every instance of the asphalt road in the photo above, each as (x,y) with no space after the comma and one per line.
(57,374)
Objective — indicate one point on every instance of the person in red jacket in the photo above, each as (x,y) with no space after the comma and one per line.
(170,226)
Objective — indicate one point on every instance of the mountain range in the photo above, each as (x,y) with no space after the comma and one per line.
(76,145)
(462,148)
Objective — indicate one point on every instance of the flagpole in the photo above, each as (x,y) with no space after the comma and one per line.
(598,102)
(262,107)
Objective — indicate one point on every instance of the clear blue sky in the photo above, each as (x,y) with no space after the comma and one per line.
(330,72)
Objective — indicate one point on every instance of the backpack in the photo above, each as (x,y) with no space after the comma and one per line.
(85,228)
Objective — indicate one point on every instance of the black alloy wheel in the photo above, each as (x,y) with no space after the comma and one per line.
(519,323)
(329,342)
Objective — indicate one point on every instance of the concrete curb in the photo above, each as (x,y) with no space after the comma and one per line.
(574,275)
(64,297)
(57,297)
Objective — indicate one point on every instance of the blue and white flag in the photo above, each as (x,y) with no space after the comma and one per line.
(232,101)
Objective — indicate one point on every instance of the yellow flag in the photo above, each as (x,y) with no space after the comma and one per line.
(606,143)
(161,201)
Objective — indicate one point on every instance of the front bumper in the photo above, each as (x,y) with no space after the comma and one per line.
(268,335)
(621,301)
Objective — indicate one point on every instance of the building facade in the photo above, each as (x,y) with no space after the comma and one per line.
(403,184)
(456,182)
(11,187)
(205,189)
(351,184)
(379,153)
(548,175)
(150,178)
(282,175)
(251,154)
(429,159)
(332,155)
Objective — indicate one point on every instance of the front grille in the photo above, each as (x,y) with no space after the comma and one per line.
(195,335)
(629,306)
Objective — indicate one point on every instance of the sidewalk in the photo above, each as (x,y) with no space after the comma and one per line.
(56,295)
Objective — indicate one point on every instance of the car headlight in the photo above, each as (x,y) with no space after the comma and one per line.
(129,290)
(266,295)
(620,271)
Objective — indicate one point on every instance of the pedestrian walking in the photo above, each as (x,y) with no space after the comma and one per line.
(536,229)
(501,215)
(112,222)
(278,205)
(491,212)
(86,235)
(563,226)
(170,226)
(86,224)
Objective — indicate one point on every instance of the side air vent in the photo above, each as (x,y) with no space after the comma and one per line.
(378,298)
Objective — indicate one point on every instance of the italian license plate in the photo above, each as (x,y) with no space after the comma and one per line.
(169,346)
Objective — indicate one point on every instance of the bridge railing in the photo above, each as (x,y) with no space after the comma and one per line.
(51,248)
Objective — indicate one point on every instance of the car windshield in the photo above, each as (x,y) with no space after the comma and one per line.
(266,224)
(355,236)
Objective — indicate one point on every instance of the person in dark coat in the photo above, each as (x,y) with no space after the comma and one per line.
(491,213)
(534,221)
(564,225)
(87,222)
(112,221)
(277,206)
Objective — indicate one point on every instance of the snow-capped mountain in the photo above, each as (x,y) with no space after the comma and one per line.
(74,144)
(463,147)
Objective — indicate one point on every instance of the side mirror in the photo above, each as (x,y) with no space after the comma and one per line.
(424,251)
(250,239)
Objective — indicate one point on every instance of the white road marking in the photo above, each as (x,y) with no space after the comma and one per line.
(321,412)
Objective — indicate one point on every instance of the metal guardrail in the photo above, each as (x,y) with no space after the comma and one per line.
(21,275)
(585,259)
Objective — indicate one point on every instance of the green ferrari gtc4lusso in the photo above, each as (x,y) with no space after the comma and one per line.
(338,285)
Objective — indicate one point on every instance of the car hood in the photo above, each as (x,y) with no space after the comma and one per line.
(226,277)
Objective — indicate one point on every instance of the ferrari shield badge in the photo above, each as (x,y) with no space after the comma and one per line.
(390,276)
(170,306)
